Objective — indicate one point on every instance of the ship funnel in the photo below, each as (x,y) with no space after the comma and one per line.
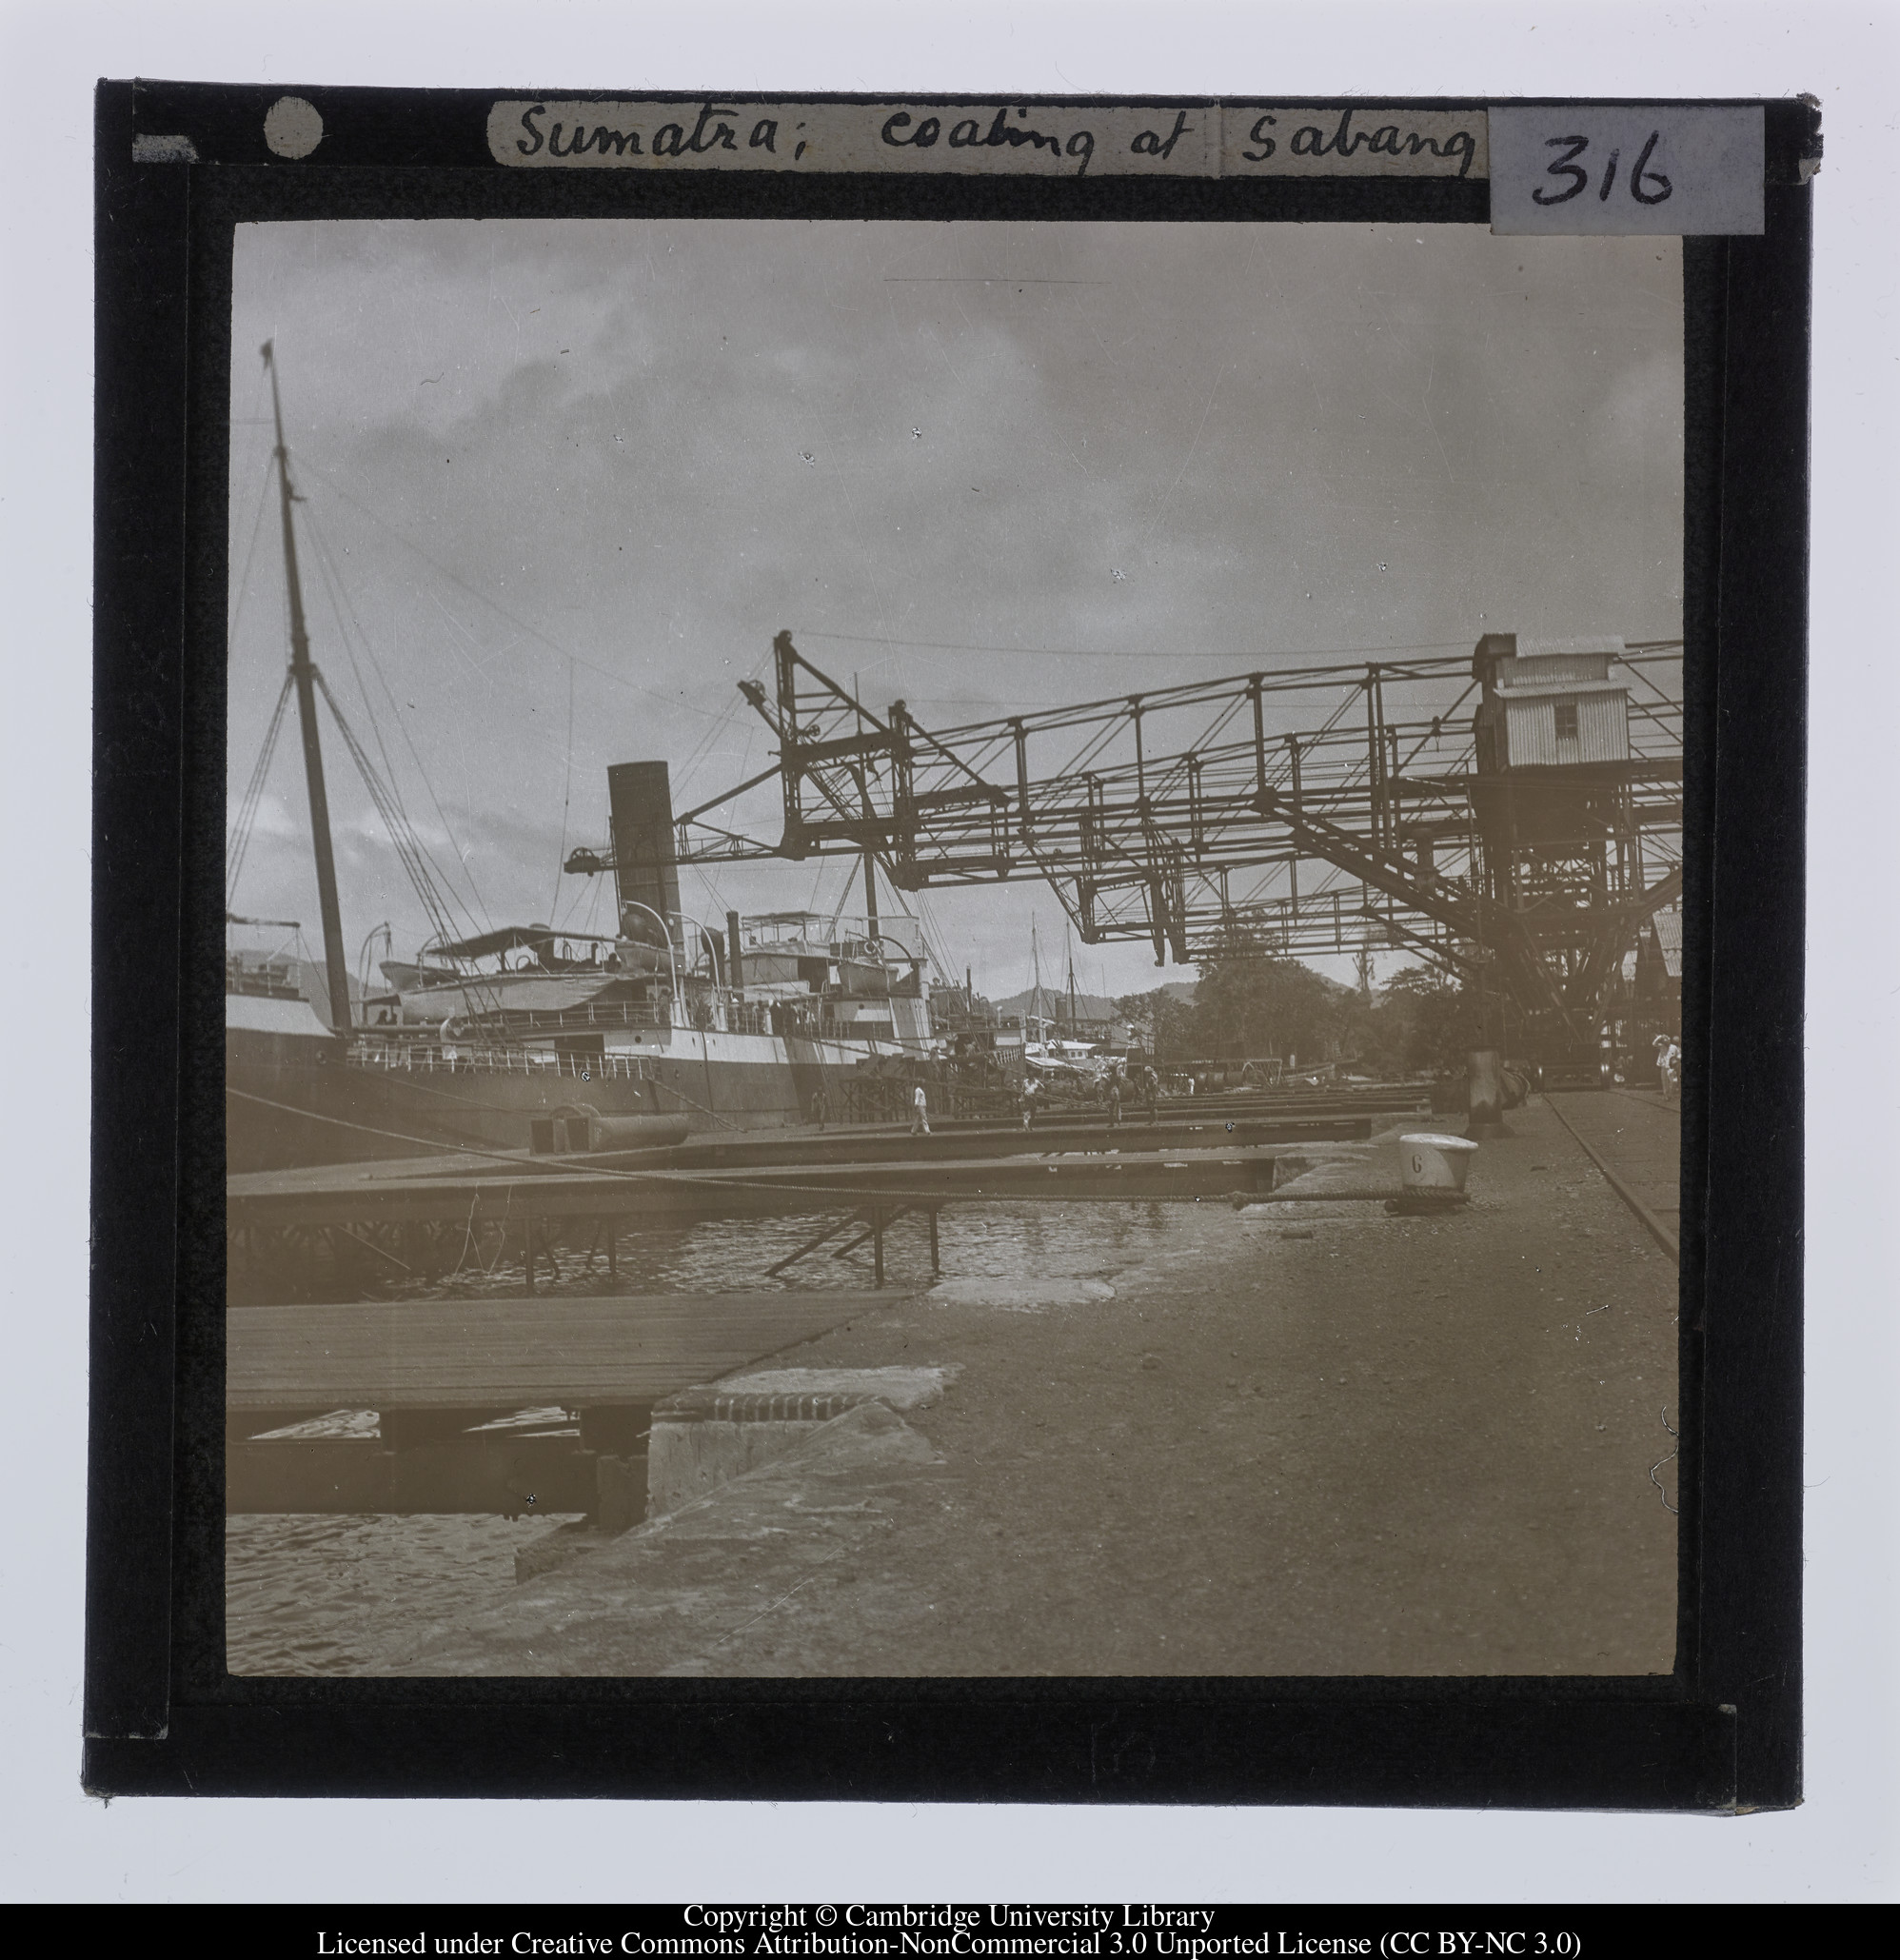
(646,866)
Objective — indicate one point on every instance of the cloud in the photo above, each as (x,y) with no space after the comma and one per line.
(624,454)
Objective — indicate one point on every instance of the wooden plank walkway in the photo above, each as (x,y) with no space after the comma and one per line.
(550,1188)
(789,1151)
(488,1354)
(1212,1127)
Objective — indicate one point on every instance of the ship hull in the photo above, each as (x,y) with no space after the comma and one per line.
(285,1107)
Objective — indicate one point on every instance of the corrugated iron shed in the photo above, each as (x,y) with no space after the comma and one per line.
(1668,941)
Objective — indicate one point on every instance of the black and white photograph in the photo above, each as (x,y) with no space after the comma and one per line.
(952,949)
(1057,1050)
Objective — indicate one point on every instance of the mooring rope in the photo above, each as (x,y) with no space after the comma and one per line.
(721,1181)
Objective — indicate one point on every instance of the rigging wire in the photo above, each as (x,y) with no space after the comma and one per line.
(264,502)
(566,796)
(237,843)
(1177,653)
(328,575)
(251,551)
(424,875)
(707,737)
(521,625)
(401,832)
(1135,652)
(341,606)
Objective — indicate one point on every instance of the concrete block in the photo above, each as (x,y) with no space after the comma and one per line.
(690,1457)
(896,1388)
(706,1436)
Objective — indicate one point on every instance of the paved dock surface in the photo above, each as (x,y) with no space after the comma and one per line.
(1638,1137)
(1295,1440)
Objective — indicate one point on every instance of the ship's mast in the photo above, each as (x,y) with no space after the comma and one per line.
(1069,950)
(335,969)
(870,853)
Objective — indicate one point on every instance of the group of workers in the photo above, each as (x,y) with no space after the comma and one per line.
(1116,1090)
(1669,1066)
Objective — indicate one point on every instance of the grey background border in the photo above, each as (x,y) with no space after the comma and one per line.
(1839,1846)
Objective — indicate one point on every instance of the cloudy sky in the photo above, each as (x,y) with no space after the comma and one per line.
(565,480)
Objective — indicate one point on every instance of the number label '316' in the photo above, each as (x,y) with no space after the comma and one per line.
(1644,185)
(1654,170)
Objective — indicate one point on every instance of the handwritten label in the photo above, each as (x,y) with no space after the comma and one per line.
(1354,140)
(1617,172)
(1205,139)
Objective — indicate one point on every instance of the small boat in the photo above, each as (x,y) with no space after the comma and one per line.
(523,968)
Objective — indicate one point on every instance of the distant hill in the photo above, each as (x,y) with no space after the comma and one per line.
(1090,1006)
(1176,990)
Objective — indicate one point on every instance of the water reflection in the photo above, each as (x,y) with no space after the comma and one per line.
(711,1256)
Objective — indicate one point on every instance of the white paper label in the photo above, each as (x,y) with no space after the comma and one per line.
(1115,139)
(1615,171)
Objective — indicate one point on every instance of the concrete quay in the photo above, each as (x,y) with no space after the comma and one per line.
(1305,1437)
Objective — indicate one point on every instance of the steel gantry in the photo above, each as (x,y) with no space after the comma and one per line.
(1311,809)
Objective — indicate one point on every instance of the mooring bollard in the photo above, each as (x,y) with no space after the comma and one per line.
(1432,1170)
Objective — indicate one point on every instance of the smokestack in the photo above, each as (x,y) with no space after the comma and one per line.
(735,975)
(646,870)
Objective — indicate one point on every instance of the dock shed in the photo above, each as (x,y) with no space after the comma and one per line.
(1548,704)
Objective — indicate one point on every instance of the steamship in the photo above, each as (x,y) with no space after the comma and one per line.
(665,1030)
(533,1038)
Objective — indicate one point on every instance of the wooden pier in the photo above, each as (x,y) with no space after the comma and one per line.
(787,1172)
(439,1374)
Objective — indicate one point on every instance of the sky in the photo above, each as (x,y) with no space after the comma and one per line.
(564,481)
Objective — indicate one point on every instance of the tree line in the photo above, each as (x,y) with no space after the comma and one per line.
(1252,1007)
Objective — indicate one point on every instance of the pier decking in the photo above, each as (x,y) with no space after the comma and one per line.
(511,1353)
(791,1170)
(436,1371)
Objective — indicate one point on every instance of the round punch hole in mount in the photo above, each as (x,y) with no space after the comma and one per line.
(292,126)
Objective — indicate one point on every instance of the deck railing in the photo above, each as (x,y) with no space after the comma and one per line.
(421,1057)
(703,1014)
